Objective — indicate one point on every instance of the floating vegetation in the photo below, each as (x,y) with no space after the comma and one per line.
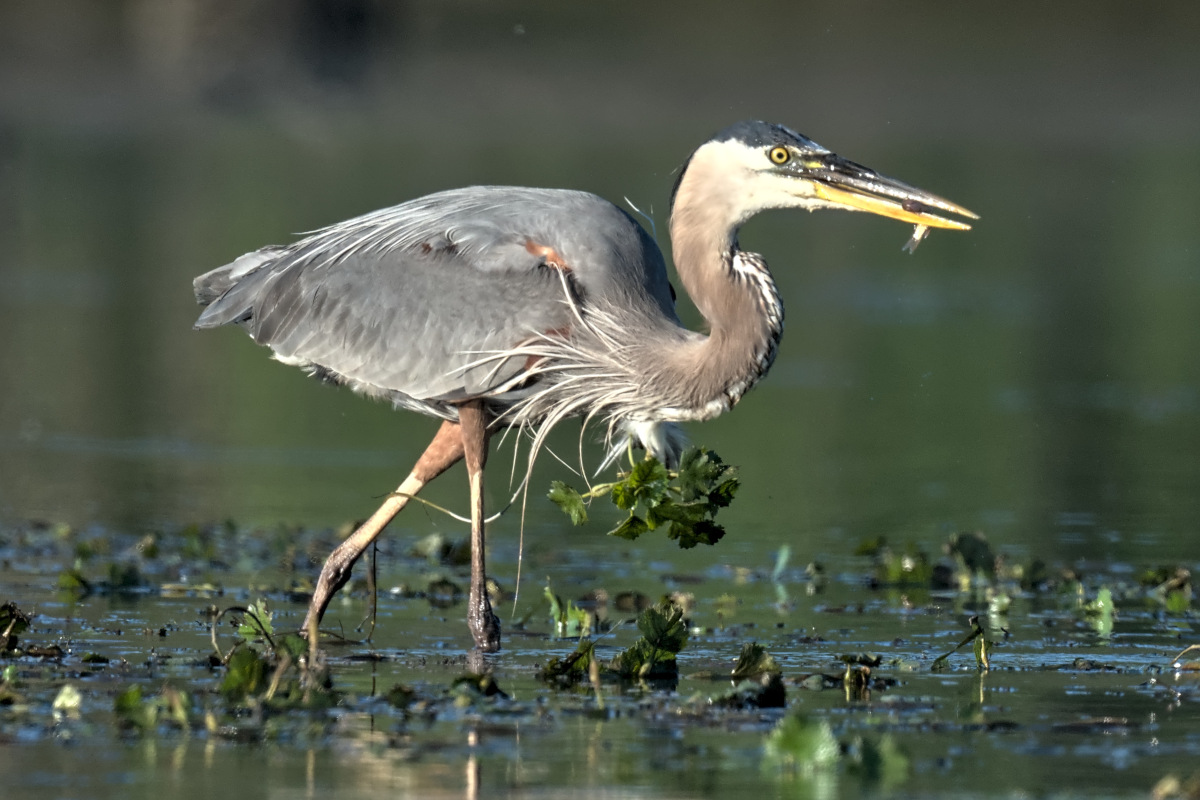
(896,569)
(474,687)
(571,669)
(121,578)
(842,690)
(757,681)
(569,620)
(972,555)
(650,658)
(684,501)
(1100,612)
(281,675)
(141,715)
(1169,587)
(13,622)
(980,646)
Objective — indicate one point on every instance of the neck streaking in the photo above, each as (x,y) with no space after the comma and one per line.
(736,294)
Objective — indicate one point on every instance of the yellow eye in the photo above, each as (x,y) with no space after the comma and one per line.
(779,155)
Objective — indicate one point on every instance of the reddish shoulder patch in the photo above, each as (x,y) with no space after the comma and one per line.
(549,256)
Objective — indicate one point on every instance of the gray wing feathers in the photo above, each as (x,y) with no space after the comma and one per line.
(416,336)
(405,300)
(211,285)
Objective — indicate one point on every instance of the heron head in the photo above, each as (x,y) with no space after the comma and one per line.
(754,166)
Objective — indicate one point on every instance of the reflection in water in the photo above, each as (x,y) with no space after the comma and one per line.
(472,767)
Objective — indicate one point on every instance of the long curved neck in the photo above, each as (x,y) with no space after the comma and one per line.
(732,289)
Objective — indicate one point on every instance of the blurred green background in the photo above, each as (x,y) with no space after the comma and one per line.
(1037,378)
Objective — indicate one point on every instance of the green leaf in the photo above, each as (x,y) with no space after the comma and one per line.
(570,501)
(642,661)
(1177,602)
(294,645)
(908,569)
(568,619)
(703,532)
(176,704)
(664,634)
(1100,612)
(556,608)
(132,712)
(698,470)
(648,472)
(648,479)
(753,662)
(703,476)
(684,502)
(67,701)
(631,528)
(573,668)
(128,701)
(663,626)
(670,511)
(73,582)
(245,675)
(624,496)
(722,495)
(974,551)
(759,681)
(257,621)
(142,714)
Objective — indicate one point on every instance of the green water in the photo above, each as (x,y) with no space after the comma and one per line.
(1035,378)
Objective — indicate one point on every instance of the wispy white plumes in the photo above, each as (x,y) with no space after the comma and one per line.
(592,373)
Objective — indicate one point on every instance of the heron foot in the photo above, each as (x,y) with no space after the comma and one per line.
(334,575)
(483,622)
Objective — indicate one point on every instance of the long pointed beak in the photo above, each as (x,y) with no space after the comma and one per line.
(858,188)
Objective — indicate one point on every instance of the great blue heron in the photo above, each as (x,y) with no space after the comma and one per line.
(494,307)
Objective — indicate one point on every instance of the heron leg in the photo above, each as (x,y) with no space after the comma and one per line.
(484,624)
(442,453)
